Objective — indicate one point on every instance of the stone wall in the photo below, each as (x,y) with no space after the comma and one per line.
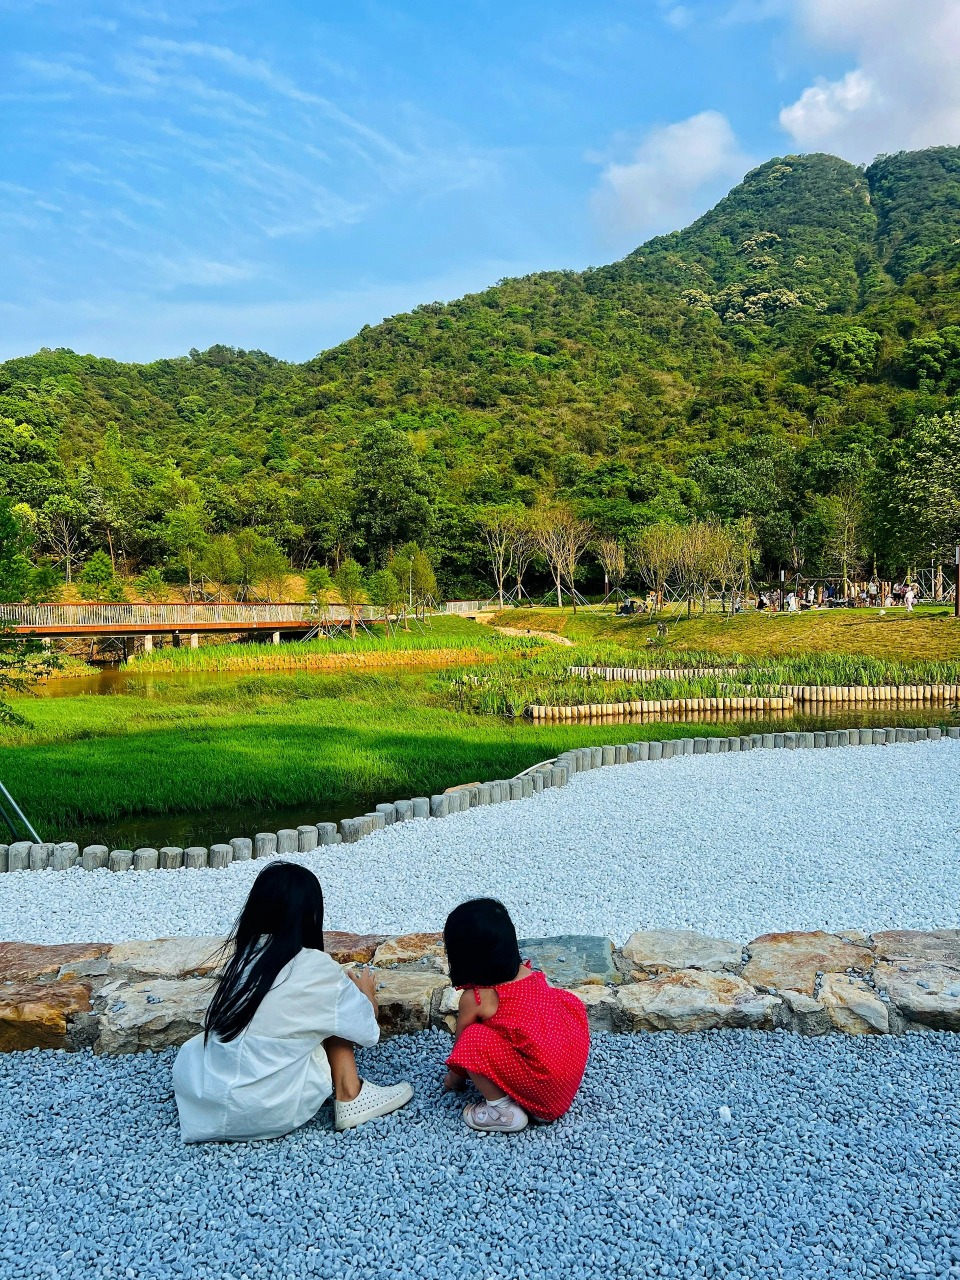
(133,996)
(25,855)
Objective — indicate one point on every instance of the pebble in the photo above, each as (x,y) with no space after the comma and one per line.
(819,1176)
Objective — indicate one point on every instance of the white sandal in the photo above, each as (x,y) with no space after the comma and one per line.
(502,1116)
(373,1100)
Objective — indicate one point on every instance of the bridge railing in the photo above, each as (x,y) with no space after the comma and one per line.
(142,616)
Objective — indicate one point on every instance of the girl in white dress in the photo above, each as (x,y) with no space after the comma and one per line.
(280,1032)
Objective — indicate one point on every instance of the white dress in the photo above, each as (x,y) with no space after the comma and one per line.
(274,1076)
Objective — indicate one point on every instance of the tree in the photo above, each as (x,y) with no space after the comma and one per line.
(924,486)
(498,524)
(349,583)
(97,576)
(386,593)
(609,552)
(320,589)
(393,495)
(220,562)
(185,537)
(152,586)
(15,567)
(62,524)
(842,516)
(562,538)
(272,569)
(656,554)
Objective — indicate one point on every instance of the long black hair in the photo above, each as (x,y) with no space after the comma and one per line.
(282,915)
(481,943)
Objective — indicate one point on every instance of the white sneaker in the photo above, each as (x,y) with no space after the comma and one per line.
(504,1116)
(373,1100)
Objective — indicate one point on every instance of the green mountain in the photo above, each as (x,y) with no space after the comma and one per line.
(770,359)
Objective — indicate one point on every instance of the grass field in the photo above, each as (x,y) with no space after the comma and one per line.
(929,634)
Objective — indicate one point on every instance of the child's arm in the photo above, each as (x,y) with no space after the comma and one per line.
(469,1011)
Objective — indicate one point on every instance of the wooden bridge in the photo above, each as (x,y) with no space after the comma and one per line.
(61,621)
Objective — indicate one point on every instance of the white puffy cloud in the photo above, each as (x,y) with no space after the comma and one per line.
(671,176)
(903,91)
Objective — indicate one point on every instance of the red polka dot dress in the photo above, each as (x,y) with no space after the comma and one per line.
(534,1047)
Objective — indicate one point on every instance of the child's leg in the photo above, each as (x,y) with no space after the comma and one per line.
(492,1092)
(343,1068)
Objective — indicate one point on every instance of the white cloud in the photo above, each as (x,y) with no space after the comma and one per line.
(679,17)
(903,92)
(670,177)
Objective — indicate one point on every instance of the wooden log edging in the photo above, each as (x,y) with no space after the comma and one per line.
(855,694)
(656,706)
(24,855)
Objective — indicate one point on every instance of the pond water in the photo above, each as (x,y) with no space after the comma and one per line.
(215,825)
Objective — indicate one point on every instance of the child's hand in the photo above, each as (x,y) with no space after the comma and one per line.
(454,1082)
(366,981)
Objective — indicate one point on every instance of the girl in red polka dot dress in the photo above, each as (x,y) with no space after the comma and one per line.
(523,1043)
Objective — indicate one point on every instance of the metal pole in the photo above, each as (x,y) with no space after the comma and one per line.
(20,814)
(956,587)
(783,574)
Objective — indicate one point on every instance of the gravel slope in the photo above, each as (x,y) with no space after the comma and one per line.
(841,1158)
(732,844)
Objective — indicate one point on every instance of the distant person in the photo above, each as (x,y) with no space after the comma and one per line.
(873,591)
(909,596)
(791,602)
(522,1042)
(761,601)
(280,1032)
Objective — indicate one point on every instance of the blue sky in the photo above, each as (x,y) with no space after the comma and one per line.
(174,174)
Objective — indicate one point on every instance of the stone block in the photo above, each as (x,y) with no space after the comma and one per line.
(146,859)
(4,858)
(934,733)
(942,946)
(643,750)
(440,806)
(537,780)
(287,841)
(657,951)
(809,1017)
(633,752)
(445,1008)
(220,856)
(700,746)
(18,855)
(620,753)
(733,744)
(121,859)
(559,776)
(351,830)
(389,813)
(93,857)
(424,949)
(608,755)
(155,1014)
(171,857)
(746,742)
(37,1015)
(404,809)
(307,839)
(924,991)
(242,847)
(572,960)
(374,822)
(596,756)
(406,998)
(602,1005)
(805,740)
(690,1000)
(29,961)
(326,833)
(352,948)
(768,740)
(794,959)
(66,854)
(168,958)
(516,789)
(527,787)
(421,807)
(195,856)
(40,855)
(264,844)
(953,731)
(713,746)
(655,750)
(852,1006)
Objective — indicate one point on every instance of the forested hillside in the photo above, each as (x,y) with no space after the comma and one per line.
(794,357)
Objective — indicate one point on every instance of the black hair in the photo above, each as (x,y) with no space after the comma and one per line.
(481,943)
(282,915)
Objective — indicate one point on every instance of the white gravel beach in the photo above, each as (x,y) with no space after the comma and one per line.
(732,845)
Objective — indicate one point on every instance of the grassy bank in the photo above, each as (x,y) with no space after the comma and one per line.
(270,741)
(929,634)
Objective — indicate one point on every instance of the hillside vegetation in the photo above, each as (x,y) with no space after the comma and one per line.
(793,356)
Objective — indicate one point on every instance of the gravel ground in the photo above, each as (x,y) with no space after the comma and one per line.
(836,1158)
(734,845)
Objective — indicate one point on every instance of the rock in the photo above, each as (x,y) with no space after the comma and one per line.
(405,997)
(154,1014)
(936,1003)
(799,1003)
(603,1008)
(410,948)
(661,950)
(445,1009)
(352,948)
(690,1000)
(939,945)
(26,961)
(36,1015)
(572,960)
(165,958)
(852,1006)
(804,1014)
(794,959)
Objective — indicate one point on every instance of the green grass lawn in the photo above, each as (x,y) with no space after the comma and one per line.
(929,634)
